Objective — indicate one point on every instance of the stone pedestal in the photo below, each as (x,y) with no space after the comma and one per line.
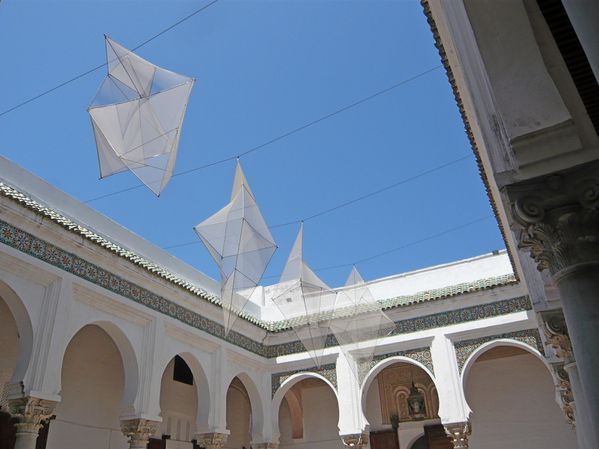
(459,434)
(355,440)
(138,431)
(30,413)
(212,440)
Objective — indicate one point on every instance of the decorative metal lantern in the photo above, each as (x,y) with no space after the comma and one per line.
(416,403)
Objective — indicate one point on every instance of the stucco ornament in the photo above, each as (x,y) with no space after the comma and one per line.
(30,413)
(212,440)
(355,440)
(556,334)
(459,434)
(139,431)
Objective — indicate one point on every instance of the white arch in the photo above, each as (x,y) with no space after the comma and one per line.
(23,322)
(128,356)
(493,344)
(201,382)
(256,405)
(384,364)
(285,386)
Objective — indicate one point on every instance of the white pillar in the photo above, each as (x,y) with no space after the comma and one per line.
(351,418)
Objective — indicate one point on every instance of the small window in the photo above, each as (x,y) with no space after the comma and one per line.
(182,373)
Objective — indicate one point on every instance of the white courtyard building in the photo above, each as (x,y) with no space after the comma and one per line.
(109,342)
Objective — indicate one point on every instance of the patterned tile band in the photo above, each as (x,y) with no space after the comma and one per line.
(465,348)
(422,355)
(328,371)
(47,252)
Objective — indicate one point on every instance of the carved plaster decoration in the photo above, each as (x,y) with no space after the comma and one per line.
(564,391)
(268,445)
(355,440)
(558,217)
(30,412)
(465,348)
(212,440)
(328,371)
(556,334)
(422,355)
(459,434)
(138,431)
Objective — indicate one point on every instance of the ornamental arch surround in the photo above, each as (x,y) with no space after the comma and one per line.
(385,363)
(287,384)
(256,404)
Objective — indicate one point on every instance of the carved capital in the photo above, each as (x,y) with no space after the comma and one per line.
(556,334)
(557,218)
(355,440)
(30,413)
(212,440)
(459,434)
(267,445)
(138,431)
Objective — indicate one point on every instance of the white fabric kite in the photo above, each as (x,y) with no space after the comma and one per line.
(137,116)
(358,321)
(305,301)
(240,242)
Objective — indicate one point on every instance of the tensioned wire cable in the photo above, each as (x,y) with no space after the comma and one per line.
(398,248)
(87,72)
(353,200)
(280,136)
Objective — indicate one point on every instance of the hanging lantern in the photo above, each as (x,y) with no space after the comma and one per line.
(416,403)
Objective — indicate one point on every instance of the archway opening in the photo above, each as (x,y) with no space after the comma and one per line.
(511,386)
(309,415)
(239,415)
(93,386)
(9,350)
(178,402)
(400,404)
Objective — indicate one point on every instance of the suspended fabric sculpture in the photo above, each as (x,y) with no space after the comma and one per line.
(137,115)
(305,301)
(241,244)
(358,321)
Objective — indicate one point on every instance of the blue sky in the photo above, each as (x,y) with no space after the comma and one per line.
(262,69)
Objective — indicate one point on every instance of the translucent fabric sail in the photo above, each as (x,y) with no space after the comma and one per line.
(240,242)
(305,301)
(137,115)
(358,321)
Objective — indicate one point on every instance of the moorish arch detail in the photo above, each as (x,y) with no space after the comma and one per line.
(420,355)
(465,348)
(327,371)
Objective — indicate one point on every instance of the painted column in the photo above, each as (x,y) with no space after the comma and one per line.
(138,431)
(30,413)
(558,221)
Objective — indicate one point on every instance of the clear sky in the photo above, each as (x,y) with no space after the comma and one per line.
(262,68)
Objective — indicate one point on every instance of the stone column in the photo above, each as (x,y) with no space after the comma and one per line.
(557,219)
(355,440)
(212,440)
(138,431)
(583,424)
(30,413)
(459,433)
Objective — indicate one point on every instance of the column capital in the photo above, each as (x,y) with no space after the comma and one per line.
(459,433)
(557,218)
(138,431)
(30,413)
(554,327)
(212,440)
(355,440)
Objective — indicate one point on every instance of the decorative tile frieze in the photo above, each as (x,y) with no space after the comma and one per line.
(422,355)
(327,371)
(71,263)
(465,348)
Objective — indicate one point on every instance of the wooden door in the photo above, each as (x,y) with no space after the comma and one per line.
(437,438)
(384,439)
